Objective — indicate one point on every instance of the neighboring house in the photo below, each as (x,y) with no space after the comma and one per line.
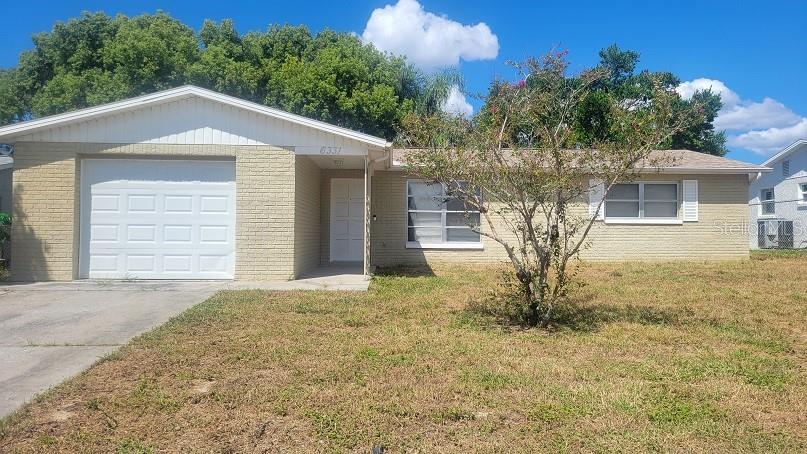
(778,201)
(192,184)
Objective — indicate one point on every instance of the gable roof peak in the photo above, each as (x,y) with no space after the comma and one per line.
(172,94)
(785,152)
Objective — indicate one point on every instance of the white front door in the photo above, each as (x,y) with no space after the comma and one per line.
(157,219)
(347,220)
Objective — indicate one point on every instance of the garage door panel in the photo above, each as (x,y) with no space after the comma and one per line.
(213,205)
(179,204)
(177,233)
(141,263)
(103,263)
(142,203)
(178,225)
(177,263)
(104,233)
(145,233)
(213,234)
(213,263)
(105,203)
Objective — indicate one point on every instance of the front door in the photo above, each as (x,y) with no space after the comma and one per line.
(347,220)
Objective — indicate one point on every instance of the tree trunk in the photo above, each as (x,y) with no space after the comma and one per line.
(525,278)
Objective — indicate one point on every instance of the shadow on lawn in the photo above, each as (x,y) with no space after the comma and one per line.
(591,317)
(405,271)
(580,314)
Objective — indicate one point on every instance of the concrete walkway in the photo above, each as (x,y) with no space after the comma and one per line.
(333,277)
(52,331)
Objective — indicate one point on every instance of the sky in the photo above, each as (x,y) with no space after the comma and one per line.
(754,53)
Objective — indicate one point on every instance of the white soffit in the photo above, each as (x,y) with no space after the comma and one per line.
(191,115)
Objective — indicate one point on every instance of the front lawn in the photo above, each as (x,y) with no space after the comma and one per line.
(666,357)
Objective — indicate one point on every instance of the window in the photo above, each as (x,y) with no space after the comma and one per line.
(803,190)
(785,168)
(642,201)
(435,218)
(767,204)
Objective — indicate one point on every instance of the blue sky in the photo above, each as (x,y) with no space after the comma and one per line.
(753,52)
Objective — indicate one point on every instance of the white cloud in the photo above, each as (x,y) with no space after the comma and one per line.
(426,39)
(763,127)
(687,89)
(753,115)
(457,104)
(769,141)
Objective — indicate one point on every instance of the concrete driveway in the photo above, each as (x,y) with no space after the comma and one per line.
(52,331)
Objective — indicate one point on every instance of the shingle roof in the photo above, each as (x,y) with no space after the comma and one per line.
(678,161)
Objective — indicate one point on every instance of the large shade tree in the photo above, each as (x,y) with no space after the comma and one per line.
(328,76)
(624,84)
(517,170)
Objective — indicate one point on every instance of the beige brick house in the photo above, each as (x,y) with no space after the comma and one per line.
(192,184)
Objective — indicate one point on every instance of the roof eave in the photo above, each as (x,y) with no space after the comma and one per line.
(398,165)
(789,149)
(708,170)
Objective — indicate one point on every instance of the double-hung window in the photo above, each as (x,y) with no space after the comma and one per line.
(654,201)
(436,219)
(803,192)
(767,203)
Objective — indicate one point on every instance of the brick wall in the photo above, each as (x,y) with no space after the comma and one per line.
(306,215)
(264,234)
(44,208)
(722,202)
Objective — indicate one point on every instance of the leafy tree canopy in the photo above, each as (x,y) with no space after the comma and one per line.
(328,76)
(625,85)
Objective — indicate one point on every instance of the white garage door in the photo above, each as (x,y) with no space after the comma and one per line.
(157,219)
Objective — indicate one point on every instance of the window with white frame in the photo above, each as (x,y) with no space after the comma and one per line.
(803,190)
(656,200)
(767,205)
(436,218)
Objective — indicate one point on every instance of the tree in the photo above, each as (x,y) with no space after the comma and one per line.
(11,106)
(514,163)
(623,84)
(97,59)
(327,76)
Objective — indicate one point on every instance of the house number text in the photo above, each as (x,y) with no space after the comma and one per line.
(330,151)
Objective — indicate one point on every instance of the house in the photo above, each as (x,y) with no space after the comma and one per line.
(778,201)
(188,183)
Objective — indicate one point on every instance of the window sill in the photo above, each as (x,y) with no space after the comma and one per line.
(644,221)
(766,216)
(416,245)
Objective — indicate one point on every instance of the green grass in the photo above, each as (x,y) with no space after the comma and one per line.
(646,357)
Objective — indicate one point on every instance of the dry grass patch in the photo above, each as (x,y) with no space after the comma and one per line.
(671,356)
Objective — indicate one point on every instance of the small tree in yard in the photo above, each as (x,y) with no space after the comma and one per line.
(517,164)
